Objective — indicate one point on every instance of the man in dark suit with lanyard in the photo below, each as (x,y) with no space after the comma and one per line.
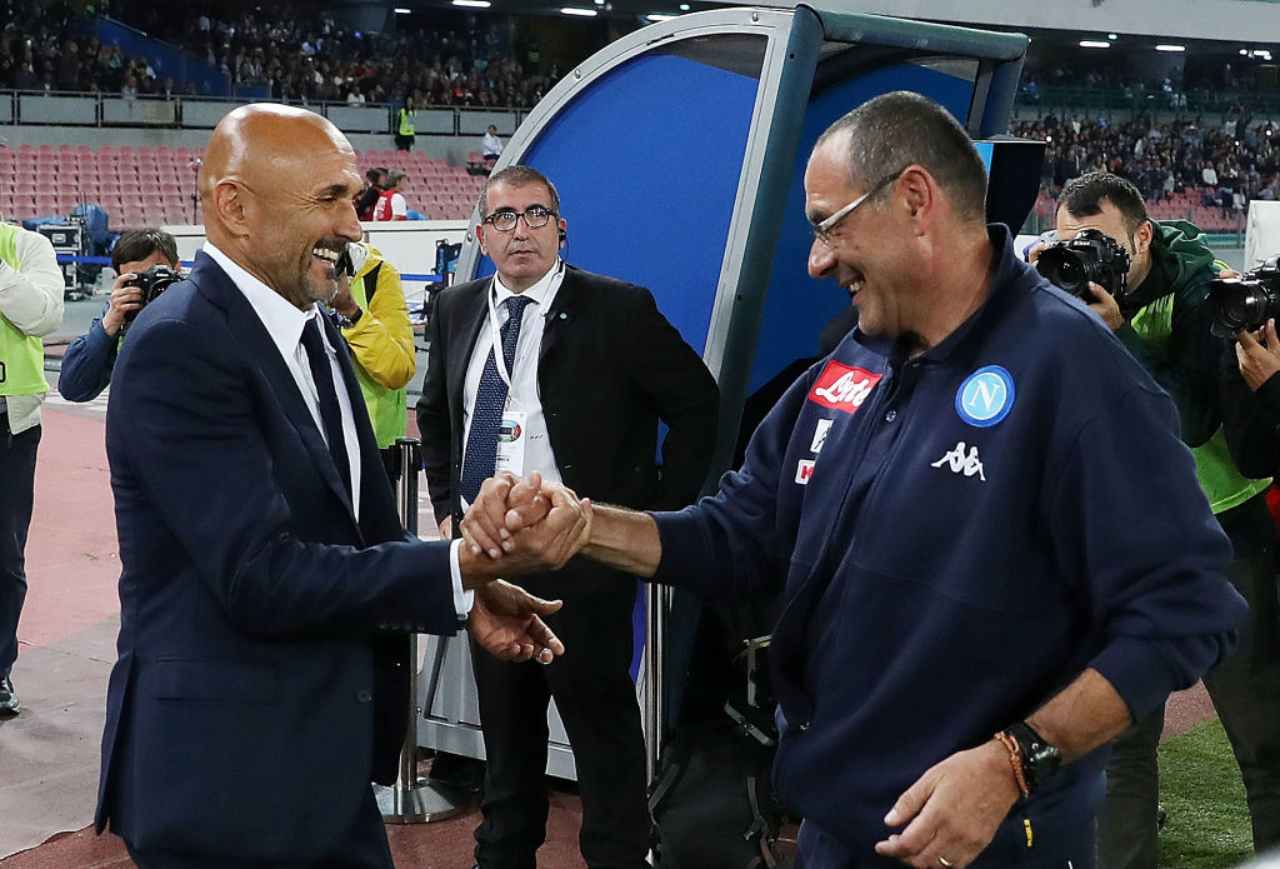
(550,369)
(267,583)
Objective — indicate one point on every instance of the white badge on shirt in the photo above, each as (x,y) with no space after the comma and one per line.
(513,434)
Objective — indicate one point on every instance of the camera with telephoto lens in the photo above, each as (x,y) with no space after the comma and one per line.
(1091,257)
(152,282)
(1246,302)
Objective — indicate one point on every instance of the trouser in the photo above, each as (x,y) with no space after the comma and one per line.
(1245,688)
(596,699)
(17,490)
(1070,849)
(364,847)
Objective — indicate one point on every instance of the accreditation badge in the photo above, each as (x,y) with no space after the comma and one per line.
(512,436)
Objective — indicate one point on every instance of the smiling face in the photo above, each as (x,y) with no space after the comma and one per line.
(865,251)
(305,225)
(278,185)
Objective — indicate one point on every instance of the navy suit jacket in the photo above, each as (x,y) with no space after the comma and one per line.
(258,689)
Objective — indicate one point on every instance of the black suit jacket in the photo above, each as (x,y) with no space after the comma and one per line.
(257,691)
(610,366)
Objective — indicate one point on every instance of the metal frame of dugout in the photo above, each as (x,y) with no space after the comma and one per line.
(679,153)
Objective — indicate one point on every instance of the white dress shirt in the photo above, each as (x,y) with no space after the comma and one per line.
(284,323)
(523,395)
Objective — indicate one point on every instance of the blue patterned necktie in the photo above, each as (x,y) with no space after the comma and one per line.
(481,456)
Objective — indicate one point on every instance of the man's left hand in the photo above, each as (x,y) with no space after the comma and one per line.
(506,622)
(952,812)
(1106,307)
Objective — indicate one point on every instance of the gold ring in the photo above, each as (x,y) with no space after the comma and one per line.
(945,863)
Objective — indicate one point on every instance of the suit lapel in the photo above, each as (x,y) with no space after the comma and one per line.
(366,445)
(563,313)
(247,326)
(473,308)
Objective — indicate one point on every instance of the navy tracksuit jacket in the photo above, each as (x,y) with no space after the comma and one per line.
(962,534)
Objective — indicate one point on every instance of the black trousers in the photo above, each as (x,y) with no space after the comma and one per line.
(17,490)
(1245,689)
(364,847)
(596,698)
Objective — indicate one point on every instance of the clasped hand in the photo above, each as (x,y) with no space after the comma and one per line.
(516,527)
(525,526)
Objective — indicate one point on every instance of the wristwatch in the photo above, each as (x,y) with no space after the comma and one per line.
(1040,759)
(347,322)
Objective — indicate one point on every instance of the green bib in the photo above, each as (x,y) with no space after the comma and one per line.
(1223,485)
(406,122)
(386,406)
(21,355)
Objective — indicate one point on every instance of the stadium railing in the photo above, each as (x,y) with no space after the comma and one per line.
(71,108)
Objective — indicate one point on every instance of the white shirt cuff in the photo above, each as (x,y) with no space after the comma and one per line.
(462,600)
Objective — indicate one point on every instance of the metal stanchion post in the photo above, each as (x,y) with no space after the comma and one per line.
(414,800)
(657,607)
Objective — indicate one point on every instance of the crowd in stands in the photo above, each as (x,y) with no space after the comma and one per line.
(288,52)
(299,55)
(1212,171)
(41,49)
(1207,83)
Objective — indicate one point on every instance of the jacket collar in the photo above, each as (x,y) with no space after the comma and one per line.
(1011,279)
(246,324)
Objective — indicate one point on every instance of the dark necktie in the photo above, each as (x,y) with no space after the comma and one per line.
(330,413)
(481,455)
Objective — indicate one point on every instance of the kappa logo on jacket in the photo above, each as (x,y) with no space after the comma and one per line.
(820,432)
(960,463)
(843,387)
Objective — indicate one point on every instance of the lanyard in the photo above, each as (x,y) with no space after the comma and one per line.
(495,333)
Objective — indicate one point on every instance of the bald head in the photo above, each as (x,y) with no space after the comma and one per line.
(276,186)
(263,145)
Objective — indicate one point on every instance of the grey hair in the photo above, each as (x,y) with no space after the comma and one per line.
(895,130)
(517,176)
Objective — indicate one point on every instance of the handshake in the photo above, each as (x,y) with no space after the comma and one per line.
(517,527)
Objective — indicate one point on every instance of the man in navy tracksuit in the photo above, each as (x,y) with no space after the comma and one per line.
(986,518)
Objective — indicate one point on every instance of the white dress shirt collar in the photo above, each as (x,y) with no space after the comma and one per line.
(538,292)
(283,322)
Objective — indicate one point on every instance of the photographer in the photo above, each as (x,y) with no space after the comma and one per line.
(1163,316)
(1251,422)
(86,367)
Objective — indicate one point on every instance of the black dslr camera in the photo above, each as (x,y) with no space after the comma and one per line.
(1246,302)
(1092,256)
(152,282)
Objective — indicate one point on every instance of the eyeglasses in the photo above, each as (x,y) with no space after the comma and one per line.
(822,231)
(505,219)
